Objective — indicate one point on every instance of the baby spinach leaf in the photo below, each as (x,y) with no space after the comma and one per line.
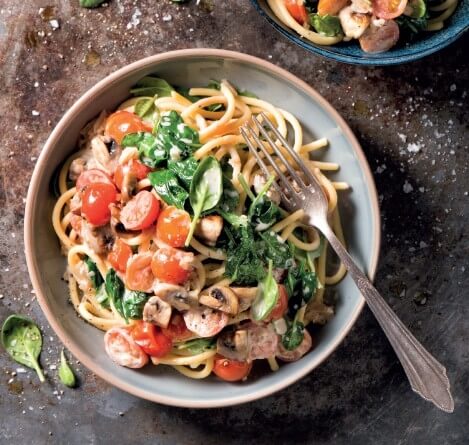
(184,170)
(327,25)
(197,346)
(230,198)
(152,86)
(115,289)
(66,375)
(22,339)
(301,285)
(168,188)
(263,213)
(235,220)
(133,303)
(247,93)
(266,298)
(294,335)
(151,153)
(93,272)
(91,3)
(206,190)
(412,25)
(143,107)
(102,297)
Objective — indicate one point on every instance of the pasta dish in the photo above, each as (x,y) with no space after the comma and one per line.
(177,245)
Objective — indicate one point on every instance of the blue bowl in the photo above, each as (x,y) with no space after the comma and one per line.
(350,52)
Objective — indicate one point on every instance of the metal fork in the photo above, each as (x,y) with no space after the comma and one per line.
(426,375)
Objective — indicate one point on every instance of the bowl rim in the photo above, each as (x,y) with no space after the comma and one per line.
(31,199)
(381,60)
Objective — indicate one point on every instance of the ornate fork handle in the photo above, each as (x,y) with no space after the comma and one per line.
(426,375)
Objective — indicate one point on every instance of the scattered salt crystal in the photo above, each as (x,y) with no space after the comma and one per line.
(54,23)
(36,84)
(414,147)
(134,20)
(167,18)
(11,381)
(52,367)
(452,87)
(421,189)
(21,371)
(407,188)
(402,137)
(35,113)
(423,244)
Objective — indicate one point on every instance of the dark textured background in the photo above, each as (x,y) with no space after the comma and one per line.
(360,395)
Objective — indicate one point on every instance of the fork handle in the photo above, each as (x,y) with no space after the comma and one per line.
(426,375)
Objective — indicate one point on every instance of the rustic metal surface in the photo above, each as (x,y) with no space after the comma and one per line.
(412,122)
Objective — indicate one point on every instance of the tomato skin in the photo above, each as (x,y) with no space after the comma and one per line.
(177,330)
(141,211)
(134,167)
(138,274)
(119,255)
(122,123)
(231,370)
(95,203)
(92,176)
(297,10)
(388,9)
(173,226)
(166,266)
(150,338)
(331,7)
(282,304)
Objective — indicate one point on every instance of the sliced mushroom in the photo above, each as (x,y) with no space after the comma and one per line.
(157,311)
(234,345)
(176,296)
(99,239)
(209,228)
(221,298)
(246,296)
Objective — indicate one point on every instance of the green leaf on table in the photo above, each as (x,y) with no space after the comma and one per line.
(66,375)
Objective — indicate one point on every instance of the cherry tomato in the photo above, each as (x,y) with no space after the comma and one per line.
(297,10)
(95,203)
(170,265)
(173,226)
(282,304)
(150,338)
(134,167)
(177,329)
(141,211)
(92,176)
(231,370)
(138,275)
(389,9)
(119,255)
(121,123)
(331,7)
(123,349)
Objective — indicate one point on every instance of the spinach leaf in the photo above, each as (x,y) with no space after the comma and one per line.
(216,85)
(91,3)
(230,198)
(102,297)
(266,298)
(152,86)
(410,25)
(294,335)
(144,107)
(301,285)
(271,247)
(66,375)
(151,153)
(184,170)
(235,220)
(168,188)
(247,93)
(93,272)
(263,213)
(115,289)
(198,345)
(206,190)
(22,339)
(133,303)
(184,91)
(327,25)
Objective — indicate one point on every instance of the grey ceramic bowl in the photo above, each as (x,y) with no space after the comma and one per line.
(194,68)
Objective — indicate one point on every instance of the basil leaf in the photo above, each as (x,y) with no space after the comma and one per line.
(152,86)
(266,298)
(66,375)
(93,272)
(115,289)
(184,170)
(294,336)
(22,339)
(144,107)
(168,188)
(327,25)
(133,303)
(206,190)
(197,346)
(91,3)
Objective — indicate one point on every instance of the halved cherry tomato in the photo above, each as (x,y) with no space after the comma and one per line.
(134,167)
(123,349)
(119,255)
(150,338)
(138,275)
(171,266)
(121,123)
(141,211)
(297,10)
(177,329)
(281,306)
(231,370)
(173,226)
(389,9)
(95,203)
(92,176)
(331,7)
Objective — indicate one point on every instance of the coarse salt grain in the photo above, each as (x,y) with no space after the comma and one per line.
(407,187)
(35,113)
